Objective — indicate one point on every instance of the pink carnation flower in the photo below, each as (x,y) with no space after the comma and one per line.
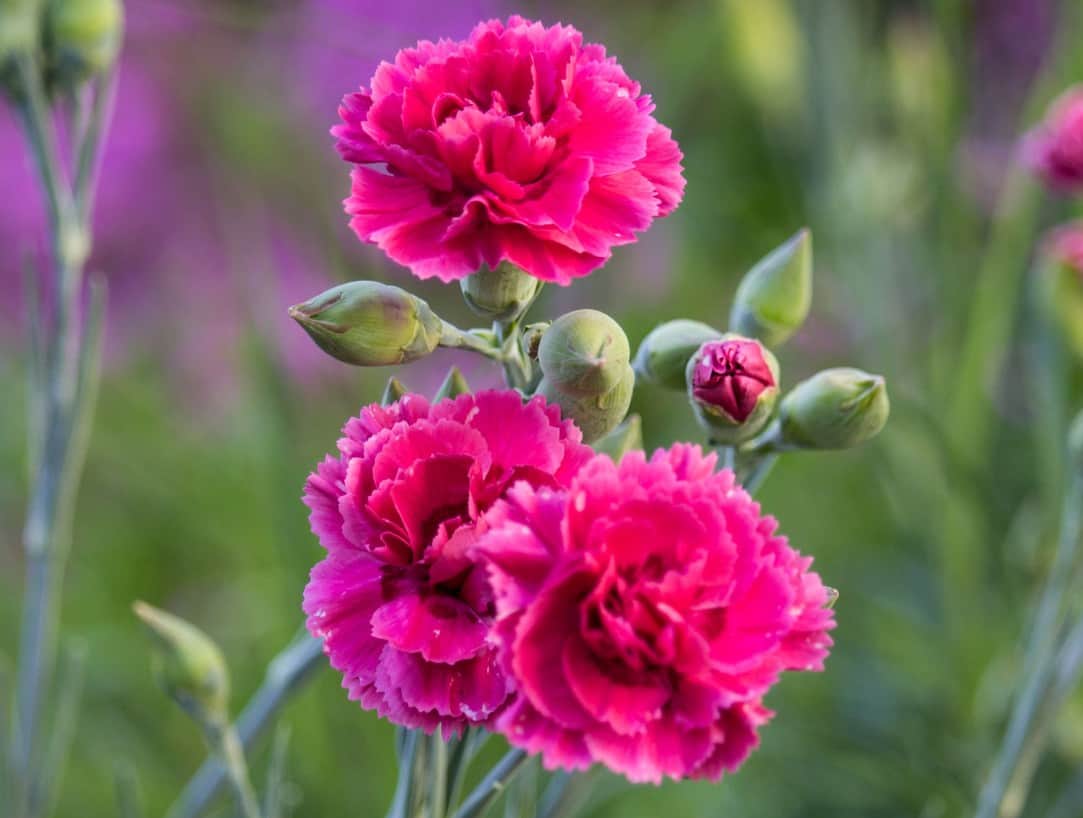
(519,144)
(644,612)
(1054,150)
(398,601)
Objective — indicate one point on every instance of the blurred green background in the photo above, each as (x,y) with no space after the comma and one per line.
(889,128)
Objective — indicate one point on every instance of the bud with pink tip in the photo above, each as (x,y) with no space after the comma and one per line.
(733,384)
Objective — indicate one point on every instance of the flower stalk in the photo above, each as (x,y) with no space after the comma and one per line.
(66,385)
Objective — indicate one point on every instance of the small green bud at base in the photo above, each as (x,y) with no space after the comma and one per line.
(584,354)
(834,409)
(502,294)
(81,39)
(453,386)
(774,297)
(595,415)
(366,323)
(188,665)
(663,355)
(625,438)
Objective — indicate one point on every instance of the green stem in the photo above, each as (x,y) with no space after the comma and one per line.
(492,785)
(438,770)
(229,747)
(759,472)
(455,338)
(408,752)
(67,406)
(1039,660)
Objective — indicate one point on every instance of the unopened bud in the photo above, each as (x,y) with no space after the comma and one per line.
(663,355)
(369,324)
(453,386)
(188,665)
(733,384)
(502,294)
(774,297)
(1062,282)
(625,438)
(584,354)
(834,409)
(82,38)
(393,391)
(595,415)
(19,25)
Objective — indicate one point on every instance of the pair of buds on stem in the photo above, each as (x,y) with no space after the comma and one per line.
(69,41)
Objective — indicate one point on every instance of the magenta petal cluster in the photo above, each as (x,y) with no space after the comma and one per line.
(519,144)
(644,612)
(402,607)
(1054,150)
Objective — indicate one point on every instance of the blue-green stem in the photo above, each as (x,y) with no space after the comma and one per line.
(1039,660)
(492,785)
(409,747)
(67,401)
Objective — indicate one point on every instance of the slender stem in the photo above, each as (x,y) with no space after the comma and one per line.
(48,785)
(492,785)
(1039,660)
(286,674)
(231,751)
(67,409)
(407,757)
(758,473)
(276,775)
(455,338)
(517,369)
(88,159)
(438,762)
(126,788)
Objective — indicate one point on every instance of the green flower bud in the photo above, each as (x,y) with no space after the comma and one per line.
(623,439)
(774,297)
(18,35)
(188,665)
(595,415)
(82,38)
(370,324)
(393,391)
(663,355)
(584,354)
(453,386)
(502,294)
(733,386)
(834,409)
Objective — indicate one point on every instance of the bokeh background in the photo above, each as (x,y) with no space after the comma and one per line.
(890,128)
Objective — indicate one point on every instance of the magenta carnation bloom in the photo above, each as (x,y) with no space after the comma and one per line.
(519,144)
(644,612)
(399,603)
(1054,150)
